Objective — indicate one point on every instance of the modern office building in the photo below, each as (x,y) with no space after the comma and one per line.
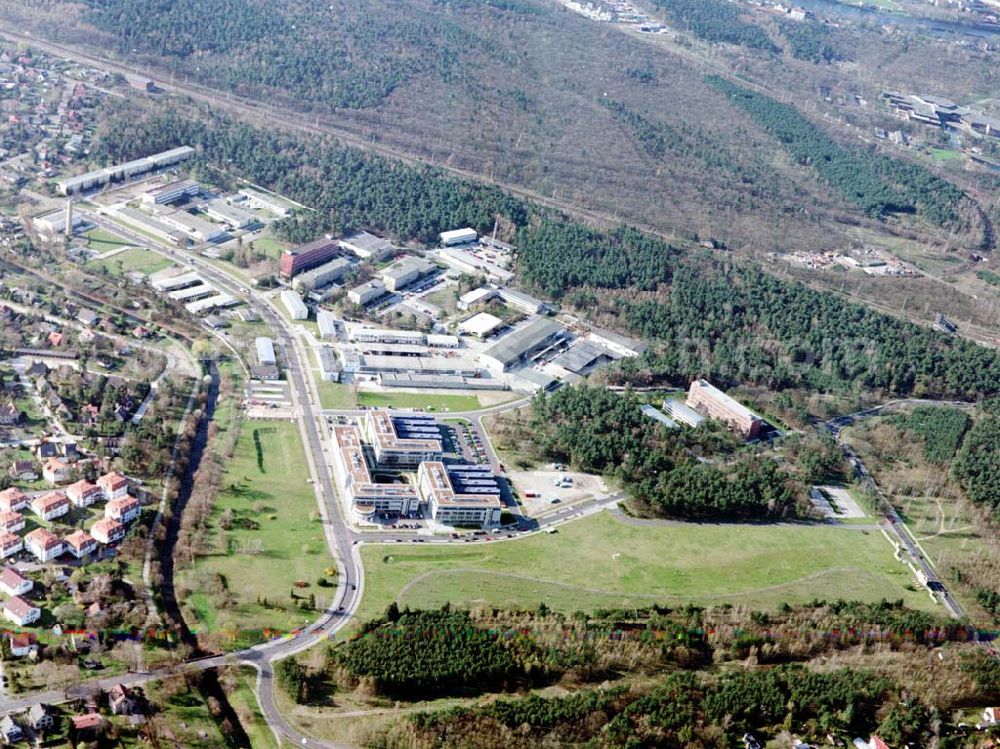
(325,274)
(233,217)
(269,203)
(307,256)
(708,399)
(367,497)
(402,441)
(460,494)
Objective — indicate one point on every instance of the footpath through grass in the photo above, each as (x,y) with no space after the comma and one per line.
(266,539)
(132,260)
(604,561)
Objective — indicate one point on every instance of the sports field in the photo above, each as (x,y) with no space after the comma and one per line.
(604,560)
(274,538)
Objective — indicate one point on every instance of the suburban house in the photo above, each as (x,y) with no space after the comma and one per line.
(24,645)
(83,493)
(114,485)
(23,470)
(12,521)
(39,718)
(10,415)
(20,611)
(120,700)
(107,531)
(44,544)
(10,730)
(13,500)
(50,506)
(124,510)
(9,544)
(13,583)
(79,543)
(87,725)
(57,471)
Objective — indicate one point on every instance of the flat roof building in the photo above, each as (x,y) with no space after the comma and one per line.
(367,497)
(584,357)
(402,440)
(54,222)
(657,415)
(366,293)
(367,246)
(481,325)
(619,344)
(680,411)
(265,350)
(84,182)
(461,495)
(190,293)
(269,203)
(521,301)
(405,272)
(327,325)
(465,261)
(380,335)
(170,283)
(196,227)
(520,345)
(438,381)
(325,274)
(307,256)
(329,367)
(218,301)
(707,398)
(297,309)
(172,192)
(458,236)
(235,218)
(474,298)
(146,223)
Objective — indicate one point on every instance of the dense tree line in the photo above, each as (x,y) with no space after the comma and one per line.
(715,21)
(941,429)
(601,431)
(711,320)
(322,54)
(809,41)
(420,653)
(977,466)
(876,183)
(686,708)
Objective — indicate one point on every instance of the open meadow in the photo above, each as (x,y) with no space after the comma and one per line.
(605,561)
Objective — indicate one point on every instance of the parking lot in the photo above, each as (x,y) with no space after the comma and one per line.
(551,492)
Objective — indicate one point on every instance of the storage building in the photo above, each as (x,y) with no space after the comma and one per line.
(458,236)
(297,309)
(520,345)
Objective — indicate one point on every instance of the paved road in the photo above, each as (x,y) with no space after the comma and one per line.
(893,521)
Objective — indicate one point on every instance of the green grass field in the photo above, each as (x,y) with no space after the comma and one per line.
(134,259)
(945,154)
(335,395)
(273,505)
(426,401)
(100,240)
(270,246)
(604,561)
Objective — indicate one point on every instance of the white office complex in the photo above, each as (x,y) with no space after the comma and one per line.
(458,236)
(172,192)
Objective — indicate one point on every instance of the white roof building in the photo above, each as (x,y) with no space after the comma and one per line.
(297,309)
(458,236)
(480,325)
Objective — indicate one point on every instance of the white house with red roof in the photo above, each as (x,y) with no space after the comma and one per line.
(108,531)
(12,522)
(23,645)
(13,500)
(56,471)
(84,494)
(114,485)
(20,611)
(9,544)
(50,506)
(44,544)
(13,583)
(124,510)
(79,543)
